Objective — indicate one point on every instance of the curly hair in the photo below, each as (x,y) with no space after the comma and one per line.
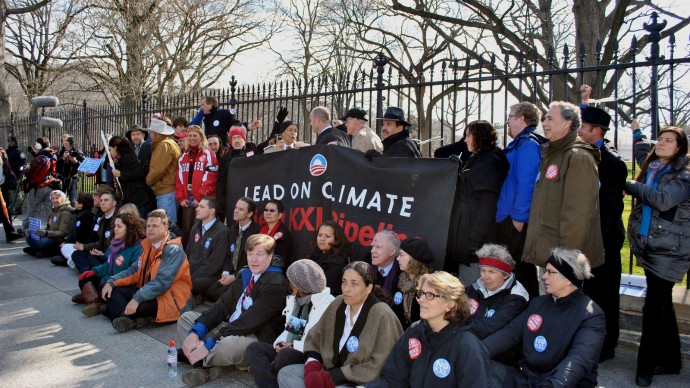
(681,140)
(416,268)
(340,243)
(451,289)
(134,228)
(484,135)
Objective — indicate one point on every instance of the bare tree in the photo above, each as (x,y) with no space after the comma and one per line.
(40,46)
(6,10)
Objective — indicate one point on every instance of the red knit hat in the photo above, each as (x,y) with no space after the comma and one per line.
(235,131)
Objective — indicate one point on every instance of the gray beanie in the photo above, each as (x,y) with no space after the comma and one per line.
(307,276)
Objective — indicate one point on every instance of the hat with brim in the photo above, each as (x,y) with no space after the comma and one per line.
(596,116)
(394,113)
(128,134)
(160,127)
(355,113)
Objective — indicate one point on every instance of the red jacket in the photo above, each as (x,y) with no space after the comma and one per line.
(41,172)
(203,180)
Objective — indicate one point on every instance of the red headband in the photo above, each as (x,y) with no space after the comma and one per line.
(498,264)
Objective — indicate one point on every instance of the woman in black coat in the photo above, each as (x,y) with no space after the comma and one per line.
(131,175)
(332,252)
(473,217)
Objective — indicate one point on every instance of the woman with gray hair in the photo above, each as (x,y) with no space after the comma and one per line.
(496,298)
(561,332)
(46,242)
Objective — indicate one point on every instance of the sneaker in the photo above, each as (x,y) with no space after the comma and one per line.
(141,322)
(124,324)
(59,261)
(198,376)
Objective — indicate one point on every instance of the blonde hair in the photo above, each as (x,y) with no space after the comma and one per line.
(451,289)
(203,143)
(267,241)
(129,208)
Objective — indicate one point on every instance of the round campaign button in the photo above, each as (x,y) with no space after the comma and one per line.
(441,368)
(197,237)
(216,123)
(398,297)
(207,244)
(540,343)
(473,306)
(352,344)
(534,322)
(119,260)
(247,303)
(490,313)
(78,223)
(415,348)
(107,234)
(551,172)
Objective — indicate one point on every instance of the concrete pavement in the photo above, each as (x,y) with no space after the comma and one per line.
(46,341)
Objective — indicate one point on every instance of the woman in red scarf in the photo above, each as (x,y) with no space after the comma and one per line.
(274,227)
(196,177)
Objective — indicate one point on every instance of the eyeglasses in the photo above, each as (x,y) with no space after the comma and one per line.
(427,295)
(511,116)
(551,272)
(270,210)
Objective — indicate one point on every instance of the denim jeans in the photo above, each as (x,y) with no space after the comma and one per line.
(168,203)
(42,244)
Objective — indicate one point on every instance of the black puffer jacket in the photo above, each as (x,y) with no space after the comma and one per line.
(667,251)
(400,145)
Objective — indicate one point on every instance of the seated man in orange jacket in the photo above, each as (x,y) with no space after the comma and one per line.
(157,286)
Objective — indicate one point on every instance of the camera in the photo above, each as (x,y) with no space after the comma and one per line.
(73,153)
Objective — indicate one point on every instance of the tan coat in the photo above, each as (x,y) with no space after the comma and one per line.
(366,139)
(163,167)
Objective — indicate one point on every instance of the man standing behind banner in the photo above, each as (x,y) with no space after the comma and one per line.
(320,121)
(396,138)
(163,168)
(241,228)
(138,136)
(355,124)
(565,204)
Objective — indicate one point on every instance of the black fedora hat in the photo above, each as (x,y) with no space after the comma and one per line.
(356,113)
(596,116)
(394,113)
(135,127)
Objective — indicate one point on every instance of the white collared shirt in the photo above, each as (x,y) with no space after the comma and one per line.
(387,268)
(206,227)
(349,324)
(238,307)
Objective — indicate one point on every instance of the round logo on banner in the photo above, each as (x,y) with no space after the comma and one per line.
(119,260)
(216,123)
(551,172)
(352,344)
(490,313)
(540,343)
(415,348)
(318,165)
(534,322)
(78,223)
(197,237)
(207,244)
(107,234)
(398,297)
(247,303)
(473,306)
(441,368)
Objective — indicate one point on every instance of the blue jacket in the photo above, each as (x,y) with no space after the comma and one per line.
(524,157)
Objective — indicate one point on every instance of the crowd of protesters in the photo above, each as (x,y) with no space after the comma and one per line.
(528,295)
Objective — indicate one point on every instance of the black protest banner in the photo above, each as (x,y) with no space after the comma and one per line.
(412,197)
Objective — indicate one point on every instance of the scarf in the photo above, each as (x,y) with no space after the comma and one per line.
(115,247)
(652,181)
(300,311)
(272,232)
(408,286)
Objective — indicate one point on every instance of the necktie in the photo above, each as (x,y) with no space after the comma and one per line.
(236,253)
(247,291)
(382,272)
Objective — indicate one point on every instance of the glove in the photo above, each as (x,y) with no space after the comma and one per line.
(316,377)
(282,114)
(41,233)
(199,329)
(86,274)
(372,154)
(210,343)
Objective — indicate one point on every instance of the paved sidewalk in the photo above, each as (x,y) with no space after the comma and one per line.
(46,341)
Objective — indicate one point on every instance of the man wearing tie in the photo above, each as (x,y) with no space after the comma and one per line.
(249,311)
(384,250)
(241,229)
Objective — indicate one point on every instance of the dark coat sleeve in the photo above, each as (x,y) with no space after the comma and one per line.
(130,169)
(665,198)
(510,308)
(145,156)
(396,371)
(508,337)
(613,173)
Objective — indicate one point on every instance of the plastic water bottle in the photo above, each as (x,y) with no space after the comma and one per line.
(172,360)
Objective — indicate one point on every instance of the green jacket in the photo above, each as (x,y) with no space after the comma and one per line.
(123,260)
(565,205)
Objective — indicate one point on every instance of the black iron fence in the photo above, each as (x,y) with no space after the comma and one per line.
(440,97)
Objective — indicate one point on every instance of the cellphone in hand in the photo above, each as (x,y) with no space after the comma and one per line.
(279,137)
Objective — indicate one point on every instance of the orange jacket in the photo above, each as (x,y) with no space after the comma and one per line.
(162,273)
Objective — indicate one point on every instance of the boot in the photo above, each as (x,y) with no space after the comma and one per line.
(78,299)
(92,300)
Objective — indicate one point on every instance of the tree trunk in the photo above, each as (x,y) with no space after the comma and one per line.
(588,19)
(5,101)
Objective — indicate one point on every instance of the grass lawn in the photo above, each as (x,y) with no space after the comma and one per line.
(626,256)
